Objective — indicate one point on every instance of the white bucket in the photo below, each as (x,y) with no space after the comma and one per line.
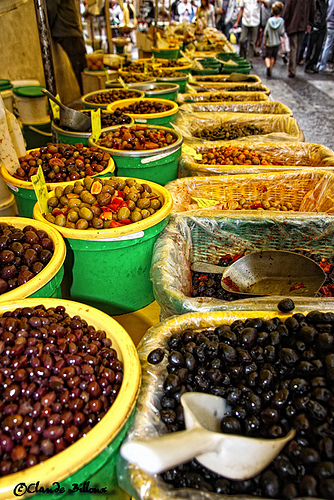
(7,96)
(31,106)
(8,208)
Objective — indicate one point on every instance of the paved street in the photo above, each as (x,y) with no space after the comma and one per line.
(310,97)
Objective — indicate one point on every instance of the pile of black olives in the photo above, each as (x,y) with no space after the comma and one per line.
(58,378)
(23,254)
(276,375)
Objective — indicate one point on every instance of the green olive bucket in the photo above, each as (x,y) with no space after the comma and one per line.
(110,268)
(86,470)
(46,283)
(160,90)
(158,165)
(24,193)
(172,53)
(182,81)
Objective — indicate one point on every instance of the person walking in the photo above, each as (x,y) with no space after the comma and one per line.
(298,17)
(206,13)
(329,43)
(317,37)
(273,32)
(220,11)
(65,27)
(231,16)
(249,12)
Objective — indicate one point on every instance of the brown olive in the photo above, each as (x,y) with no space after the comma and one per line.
(72,216)
(143,203)
(136,216)
(97,223)
(145,213)
(81,224)
(104,198)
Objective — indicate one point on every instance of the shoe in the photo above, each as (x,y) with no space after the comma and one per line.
(285,59)
(311,70)
(327,71)
(268,72)
(290,75)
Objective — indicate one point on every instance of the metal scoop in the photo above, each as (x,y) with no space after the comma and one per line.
(269,272)
(70,118)
(232,456)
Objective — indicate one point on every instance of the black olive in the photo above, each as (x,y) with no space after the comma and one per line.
(286,305)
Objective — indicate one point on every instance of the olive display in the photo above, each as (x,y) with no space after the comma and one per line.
(236,155)
(276,375)
(228,132)
(111,95)
(209,284)
(220,97)
(102,203)
(146,107)
(257,204)
(59,376)
(24,253)
(62,162)
(237,88)
(136,138)
(108,119)
(135,78)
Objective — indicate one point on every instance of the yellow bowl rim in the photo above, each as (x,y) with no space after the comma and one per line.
(83,98)
(50,270)
(111,233)
(13,181)
(126,102)
(82,452)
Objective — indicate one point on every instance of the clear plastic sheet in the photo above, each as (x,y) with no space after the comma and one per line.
(232,77)
(147,422)
(206,235)
(305,190)
(259,107)
(293,155)
(223,96)
(275,127)
(229,87)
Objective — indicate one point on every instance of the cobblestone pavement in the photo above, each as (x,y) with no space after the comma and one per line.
(310,97)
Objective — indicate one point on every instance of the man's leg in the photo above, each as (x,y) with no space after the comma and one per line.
(253,30)
(243,40)
(293,54)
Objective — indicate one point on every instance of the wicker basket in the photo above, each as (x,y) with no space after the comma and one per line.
(285,188)
(293,156)
(230,87)
(228,78)
(223,96)
(260,107)
(205,235)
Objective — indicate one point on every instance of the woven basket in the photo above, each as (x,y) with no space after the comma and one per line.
(230,86)
(260,107)
(228,78)
(207,235)
(292,156)
(223,96)
(282,187)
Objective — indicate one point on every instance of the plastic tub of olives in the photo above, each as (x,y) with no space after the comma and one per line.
(158,165)
(161,90)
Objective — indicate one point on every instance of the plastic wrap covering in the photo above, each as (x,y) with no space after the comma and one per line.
(230,87)
(147,421)
(293,155)
(233,77)
(306,190)
(214,126)
(259,107)
(222,96)
(206,235)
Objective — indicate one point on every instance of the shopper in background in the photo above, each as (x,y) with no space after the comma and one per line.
(206,13)
(317,37)
(329,43)
(265,13)
(186,11)
(116,17)
(175,10)
(231,15)
(298,17)
(220,11)
(65,27)
(273,32)
(250,14)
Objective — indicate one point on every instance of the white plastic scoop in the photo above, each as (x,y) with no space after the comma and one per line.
(232,456)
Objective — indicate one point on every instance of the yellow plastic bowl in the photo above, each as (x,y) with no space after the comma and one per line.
(146,116)
(92,105)
(50,270)
(81,453)
(103,234)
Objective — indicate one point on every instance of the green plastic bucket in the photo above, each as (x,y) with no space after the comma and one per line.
(47,282)
(166,53)
(37,135)
(110,268)
(160,90)
(160,165)
(164,118)
(90,463)
(24,192)
(181,81)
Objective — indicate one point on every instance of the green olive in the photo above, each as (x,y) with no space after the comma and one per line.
(143,203)
(70,225)
(131,205)
(97,223)
(145,213)
(88,181)
(136,216)
(108,189)
(52,202)
(60,220)
(145,194)
(74,202)
(133,197)
(96,210)
(50,218)
(156,204)
(88,198)
(85,213)
(81,224)
(106,224)
(151,210)
(121,184)
(130,182)
(72,216)
(63,200)
(123,213)
(78,188)
(59,191)
(69,189)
